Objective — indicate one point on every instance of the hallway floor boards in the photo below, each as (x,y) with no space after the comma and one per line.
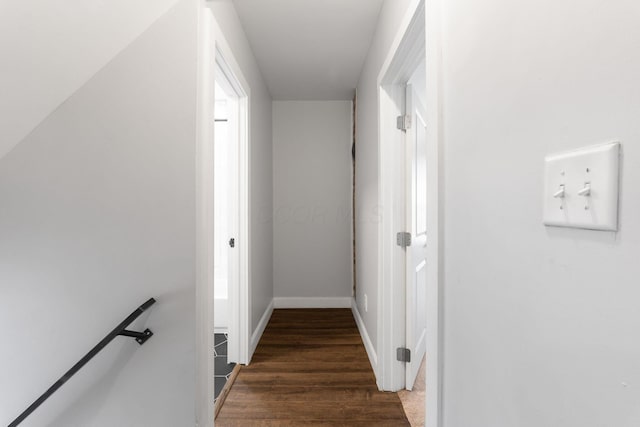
(310,369)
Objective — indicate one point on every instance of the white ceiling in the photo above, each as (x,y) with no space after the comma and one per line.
(310,49)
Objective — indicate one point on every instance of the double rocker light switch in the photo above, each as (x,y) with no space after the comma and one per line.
(581,188)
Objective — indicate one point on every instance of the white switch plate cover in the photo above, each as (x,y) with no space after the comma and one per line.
(597,166)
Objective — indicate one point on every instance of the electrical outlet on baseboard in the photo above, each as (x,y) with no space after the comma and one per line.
(366,305)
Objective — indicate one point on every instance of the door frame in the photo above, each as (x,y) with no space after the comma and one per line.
(418,37)
(215,55)
(239,333)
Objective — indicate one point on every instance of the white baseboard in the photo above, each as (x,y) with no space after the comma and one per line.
(257,334)
(368,345)
(312,302)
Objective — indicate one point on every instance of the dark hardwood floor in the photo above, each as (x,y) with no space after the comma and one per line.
(310,369)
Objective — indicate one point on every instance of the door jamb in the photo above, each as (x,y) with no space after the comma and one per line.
(214,51)
(238,295)
(419,36)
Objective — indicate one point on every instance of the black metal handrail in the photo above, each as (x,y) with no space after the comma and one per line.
(141,338)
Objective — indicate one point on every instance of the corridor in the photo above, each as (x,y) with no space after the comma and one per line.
(454,181)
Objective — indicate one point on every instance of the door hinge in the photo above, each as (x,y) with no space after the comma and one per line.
(232,242)
(403,123)
(404,354)
(403,239)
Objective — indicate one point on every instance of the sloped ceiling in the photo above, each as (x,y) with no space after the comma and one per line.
(310,49)
(49,49)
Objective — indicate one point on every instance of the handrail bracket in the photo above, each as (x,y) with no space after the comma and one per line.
(141,337)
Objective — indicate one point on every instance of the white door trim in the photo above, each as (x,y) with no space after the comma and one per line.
(215,55)
(434,365)
(239,333)
(418,37)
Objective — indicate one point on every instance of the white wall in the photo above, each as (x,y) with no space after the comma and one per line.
(221,314)
(367,208)
(260,163)
(51,49)
(541,324)
(222,231)
(97,215)
(312,174)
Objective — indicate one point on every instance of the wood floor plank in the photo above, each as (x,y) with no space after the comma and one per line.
(310,369)
(302,366)
(315,411)
(314,353)
(248,393)
(325,379)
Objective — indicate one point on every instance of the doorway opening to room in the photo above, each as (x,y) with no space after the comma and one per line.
(222,219)
(409,232)
(230,228)
(225,231)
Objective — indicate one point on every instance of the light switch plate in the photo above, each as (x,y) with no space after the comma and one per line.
(593,171)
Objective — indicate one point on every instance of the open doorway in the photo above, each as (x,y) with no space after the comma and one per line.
(409,233)
(222,214)
(226,212)
(230,231)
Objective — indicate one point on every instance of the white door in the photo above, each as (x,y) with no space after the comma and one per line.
(416,225)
